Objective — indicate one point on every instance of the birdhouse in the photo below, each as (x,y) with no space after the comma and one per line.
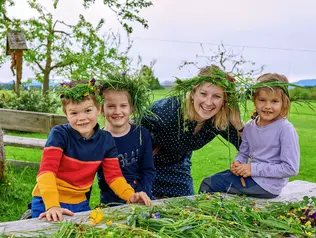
(15,41)
(16,44)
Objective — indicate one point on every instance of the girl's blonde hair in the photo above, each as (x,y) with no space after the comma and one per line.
(221,118)
(128,95)
(269,77)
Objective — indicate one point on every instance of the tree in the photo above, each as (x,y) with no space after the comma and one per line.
(4,22)
(3,10)
(126,11)
(229,61)
(74,51)
(147,74)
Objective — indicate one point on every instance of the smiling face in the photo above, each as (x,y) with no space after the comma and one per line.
(117,108)
(83,116)
(268,104)
(208,99)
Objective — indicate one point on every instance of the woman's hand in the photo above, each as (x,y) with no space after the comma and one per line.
(55,214)
(140,197)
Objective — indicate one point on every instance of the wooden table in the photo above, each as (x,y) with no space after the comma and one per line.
(294,191)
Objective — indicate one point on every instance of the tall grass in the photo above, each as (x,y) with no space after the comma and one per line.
(15,192)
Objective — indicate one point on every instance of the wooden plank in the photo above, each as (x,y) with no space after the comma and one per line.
(23,121)
(58,120)
(2,155)
(24,142)
(29,121)
(293,191)
(22,164)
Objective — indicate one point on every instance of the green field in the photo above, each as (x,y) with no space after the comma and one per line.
(210,159)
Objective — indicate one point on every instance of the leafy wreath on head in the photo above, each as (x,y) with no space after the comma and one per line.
(136,86)
(78,90)
(272,83)
(213,75)
(240,90)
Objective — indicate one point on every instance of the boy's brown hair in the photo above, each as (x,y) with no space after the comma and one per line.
(274,77)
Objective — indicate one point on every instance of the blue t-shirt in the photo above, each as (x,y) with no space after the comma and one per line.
(136,162)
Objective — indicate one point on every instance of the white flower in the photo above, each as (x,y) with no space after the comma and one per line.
(241,89)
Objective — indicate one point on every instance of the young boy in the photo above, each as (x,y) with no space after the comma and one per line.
(133,142)
(72,155)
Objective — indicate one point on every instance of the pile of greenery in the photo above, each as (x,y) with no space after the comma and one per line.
(203,216)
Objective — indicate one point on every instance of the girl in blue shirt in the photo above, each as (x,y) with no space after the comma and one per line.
(133,142)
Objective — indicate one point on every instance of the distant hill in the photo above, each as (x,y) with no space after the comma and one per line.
(33,83)
(306,82)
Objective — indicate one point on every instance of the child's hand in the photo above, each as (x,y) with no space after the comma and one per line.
(55,214)
(244,170)
(234,166)
(140,197)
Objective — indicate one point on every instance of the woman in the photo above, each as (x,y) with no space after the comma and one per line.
(187,123)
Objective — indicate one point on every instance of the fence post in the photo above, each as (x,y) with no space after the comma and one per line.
(2,156)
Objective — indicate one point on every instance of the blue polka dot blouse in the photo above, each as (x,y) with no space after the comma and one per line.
(172,162)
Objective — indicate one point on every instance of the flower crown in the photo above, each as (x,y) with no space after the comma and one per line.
(78,90)
(214,75)
(275,83)
(141,95)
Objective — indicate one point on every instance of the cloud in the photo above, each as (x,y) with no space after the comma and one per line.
(269,32)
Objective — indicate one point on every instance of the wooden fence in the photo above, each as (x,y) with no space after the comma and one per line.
(27,122)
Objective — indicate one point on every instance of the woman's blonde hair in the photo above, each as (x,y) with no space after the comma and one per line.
(273,77)
(221,118)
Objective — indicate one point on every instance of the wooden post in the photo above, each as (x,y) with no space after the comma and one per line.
(19,59)
(2,156)
(16,43)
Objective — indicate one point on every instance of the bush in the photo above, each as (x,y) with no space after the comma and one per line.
(5,97)
(305,93)
(32,100)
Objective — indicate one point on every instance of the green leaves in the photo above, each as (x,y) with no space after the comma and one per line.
(78,51)
(126,12)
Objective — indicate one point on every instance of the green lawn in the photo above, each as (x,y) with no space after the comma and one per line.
(210,159)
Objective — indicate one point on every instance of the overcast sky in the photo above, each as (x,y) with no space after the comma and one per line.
(280,34)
